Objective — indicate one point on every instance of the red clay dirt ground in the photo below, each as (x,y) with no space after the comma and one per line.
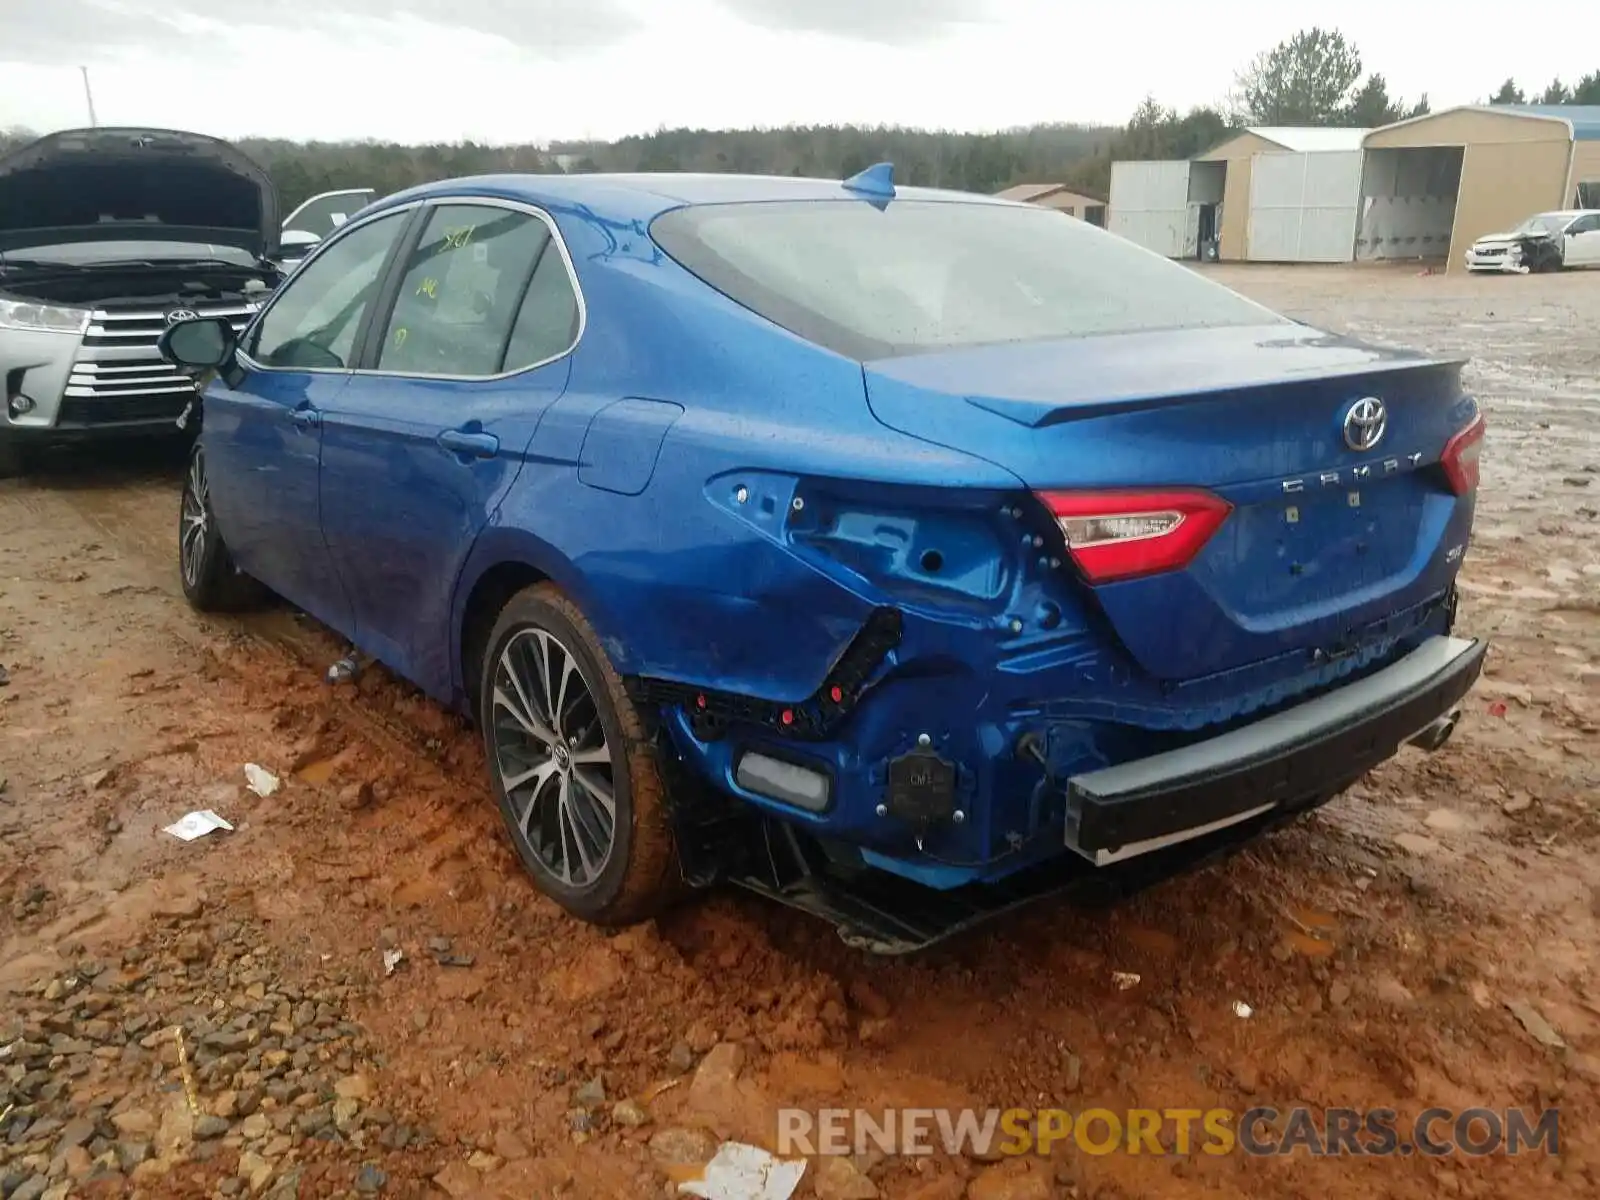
(1428,939)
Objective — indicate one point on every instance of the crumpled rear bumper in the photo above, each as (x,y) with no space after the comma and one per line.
(1143,805)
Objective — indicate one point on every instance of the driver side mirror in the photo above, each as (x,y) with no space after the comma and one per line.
(202,343)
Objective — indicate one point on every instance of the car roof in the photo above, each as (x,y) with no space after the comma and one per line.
(644,195)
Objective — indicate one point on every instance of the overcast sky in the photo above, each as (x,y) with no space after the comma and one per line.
(536,70)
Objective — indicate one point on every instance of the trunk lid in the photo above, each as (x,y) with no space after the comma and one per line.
(107,184)
(1324,543)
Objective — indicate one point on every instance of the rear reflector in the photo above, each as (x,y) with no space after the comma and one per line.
(1121,535)
(777,779)
(1460,457)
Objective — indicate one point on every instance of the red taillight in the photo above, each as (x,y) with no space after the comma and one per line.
(1120,535)
(1460,457)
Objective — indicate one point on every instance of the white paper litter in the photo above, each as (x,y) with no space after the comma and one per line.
(1124,980)
(741,1172)
(196,825)
(260,780)
(391,960)
(1242,1010)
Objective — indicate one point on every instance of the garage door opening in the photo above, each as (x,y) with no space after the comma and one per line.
(1408,203)
(1207,183)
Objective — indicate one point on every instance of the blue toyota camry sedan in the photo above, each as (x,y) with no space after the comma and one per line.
(902,554)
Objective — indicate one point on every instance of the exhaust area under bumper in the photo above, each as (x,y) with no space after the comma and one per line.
(1152,803)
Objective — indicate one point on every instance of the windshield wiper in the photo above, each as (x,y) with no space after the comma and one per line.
(156,262)
(203,262)
(31,264)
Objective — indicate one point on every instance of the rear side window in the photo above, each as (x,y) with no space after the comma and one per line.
(547,324)
(313,320)
(462,291)
(925,275)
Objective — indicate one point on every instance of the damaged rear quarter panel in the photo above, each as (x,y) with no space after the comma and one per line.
(682,580)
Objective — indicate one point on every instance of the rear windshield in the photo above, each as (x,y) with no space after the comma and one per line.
(925,275)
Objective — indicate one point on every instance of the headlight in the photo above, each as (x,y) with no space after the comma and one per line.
(42,318)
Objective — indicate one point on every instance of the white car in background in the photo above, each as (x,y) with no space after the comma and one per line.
(1544,242)
(317,218)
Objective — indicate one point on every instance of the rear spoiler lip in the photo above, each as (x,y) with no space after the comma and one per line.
(1037,415)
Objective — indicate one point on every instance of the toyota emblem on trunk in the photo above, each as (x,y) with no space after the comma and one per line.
(1365,423)
(189,314)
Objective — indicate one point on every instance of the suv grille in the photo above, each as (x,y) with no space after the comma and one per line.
(118,376)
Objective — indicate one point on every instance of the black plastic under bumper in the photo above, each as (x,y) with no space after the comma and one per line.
(1276,762)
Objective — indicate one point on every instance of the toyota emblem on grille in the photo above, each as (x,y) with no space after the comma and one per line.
(189,314)
(1365,423)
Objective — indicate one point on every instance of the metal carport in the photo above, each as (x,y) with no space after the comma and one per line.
(1433,185)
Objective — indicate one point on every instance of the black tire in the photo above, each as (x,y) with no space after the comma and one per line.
(13,459)
(211,582)
(541,630)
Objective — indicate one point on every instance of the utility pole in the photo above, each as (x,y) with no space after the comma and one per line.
(88,95)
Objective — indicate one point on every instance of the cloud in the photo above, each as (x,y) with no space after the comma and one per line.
(888,22)
(57,32)
(68,32)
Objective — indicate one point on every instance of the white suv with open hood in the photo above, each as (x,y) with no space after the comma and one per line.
(107,236)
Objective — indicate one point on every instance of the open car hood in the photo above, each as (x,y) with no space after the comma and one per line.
(1513,236)
(84,185)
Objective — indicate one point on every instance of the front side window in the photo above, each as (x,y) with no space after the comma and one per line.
(463,290)
(313,321)
(917,276)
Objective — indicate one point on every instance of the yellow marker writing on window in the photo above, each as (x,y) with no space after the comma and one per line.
(400,337)
(457,238)
(429,288)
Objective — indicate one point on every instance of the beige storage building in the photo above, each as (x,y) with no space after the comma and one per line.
(1059,197)
(1434,184)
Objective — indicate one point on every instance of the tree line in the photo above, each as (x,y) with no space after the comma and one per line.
(1315,78)
(968,161)
(1585,91)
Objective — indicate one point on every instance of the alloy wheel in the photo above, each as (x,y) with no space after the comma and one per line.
(553,758)
(196,522)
